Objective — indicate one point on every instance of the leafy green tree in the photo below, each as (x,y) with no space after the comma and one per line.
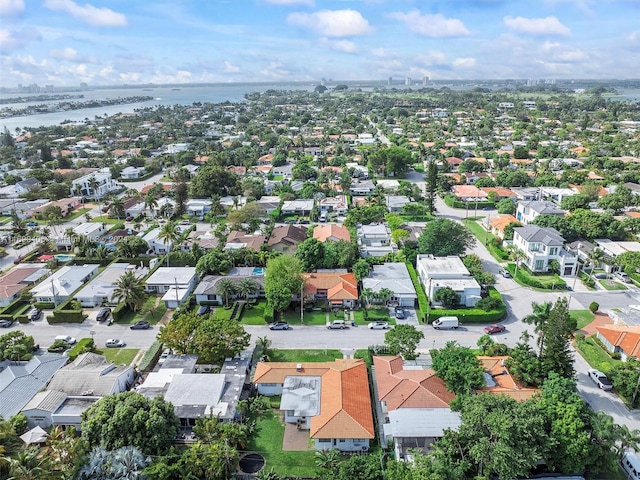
(129,288)
(506,206)
(403,340)
(361,269)
(214,262)
(129,418)
(575,202)
(442,237)
(178,334)
(555,353)
(447,296)
(458,367)
(218,338)
(310,253)
(214,180)
(282,280)
(131,246)
(15,346)
(524,365)
(56,191)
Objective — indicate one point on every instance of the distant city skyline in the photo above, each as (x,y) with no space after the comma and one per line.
(64,42)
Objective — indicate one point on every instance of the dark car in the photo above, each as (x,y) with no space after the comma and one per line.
(103,314)
(32,224)
(399,312)
(18,260)
(141,325)
(491,329)
(5,323)
(34,314)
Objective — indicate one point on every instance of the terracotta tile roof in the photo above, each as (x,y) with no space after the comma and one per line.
(504,382)
(167,187)
(201,159)
(454,161)
(502,192)
(468,191)
(632,214)
(502,221)
(594,176)
(326,232)
(339,286)
(12,281)
(400,388)
(625,337)
(345,403)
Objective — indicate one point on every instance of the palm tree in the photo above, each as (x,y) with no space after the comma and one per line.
(225,288)
(595,257)
(30,464)
(116,207)
(247,287)
(538,319)
(216,206)
(127,463)
(263,344)
(169,235)
(93,185)
(130,290)
(150,202)
(328,460)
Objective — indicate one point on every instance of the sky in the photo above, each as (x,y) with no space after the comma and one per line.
(112,42)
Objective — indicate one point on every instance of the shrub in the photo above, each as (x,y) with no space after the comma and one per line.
(423,301)
(150,357)
(447,296)
(579,337)
(120,311)
(594,306)
(268,313)
(57,347)
(44,305)
(489,303)
(83,346)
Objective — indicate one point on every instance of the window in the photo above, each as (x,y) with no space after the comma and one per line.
(534,247)
(553,251)
(539,265)
(342,440)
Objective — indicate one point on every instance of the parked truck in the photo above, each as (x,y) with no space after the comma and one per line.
(446,322)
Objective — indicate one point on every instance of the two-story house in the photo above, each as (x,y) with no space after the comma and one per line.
(85,185)
(541,245)
(375,240)
(527,212)
(435,273)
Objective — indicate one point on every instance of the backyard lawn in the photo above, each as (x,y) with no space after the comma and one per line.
(76,213)
(119,356)
(583,317)
(277,355)
(267,441)
(254,315)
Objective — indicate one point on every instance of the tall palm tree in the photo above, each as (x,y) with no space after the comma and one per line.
(169,235)
(216,206)
(30,464)
(127,463)
(226,288)
(538,319)
(93,185)
(150,203)
(116,207)
(130,290)
(246,287)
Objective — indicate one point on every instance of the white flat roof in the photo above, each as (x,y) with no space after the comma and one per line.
(421,422)
(448,266)
(171,276)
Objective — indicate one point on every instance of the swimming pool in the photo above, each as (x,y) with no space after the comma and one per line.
(258,271)
(63,258)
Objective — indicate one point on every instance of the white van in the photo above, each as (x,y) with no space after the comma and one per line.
(631,465)
(446,322)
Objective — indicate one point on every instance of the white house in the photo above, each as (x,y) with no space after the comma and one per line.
(375,240)
(100,290)
(157,245)
(198,207)
(541,245)
(26,186)
(176,283)
(297,207)
(337,204)
(89,230)
(58,287)
(440,272)
(395,203)
(362,187)
(527,212)
(131,172)
(105,184)
(395,277)
(206,292)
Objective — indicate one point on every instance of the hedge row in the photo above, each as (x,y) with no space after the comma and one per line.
(44,305)
(120,311)
(66,316)
(423,301)
(268,313)
(84,345)
(150,357)
(473,315)
(531,281)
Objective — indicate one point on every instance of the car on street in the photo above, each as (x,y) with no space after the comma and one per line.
(495,328)
(623,277)
(279,326)
(5,323)
(600,379)
(66,339)
(336,325)
(31,224)
(185,222)
(141,325)
(505,273)
(34,314)
(379,325)
(114,343)
(399,312)
(103,314)
(18,260)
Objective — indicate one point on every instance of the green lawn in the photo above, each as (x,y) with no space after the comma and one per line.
(314,318)
(544,282)
(152,311)
(612,285)
(584,317)
(224,313)
(486,238)
(254,315)
(76,213)
(119,356)
(595,355)
(267,441)
(105,219)
(277,355)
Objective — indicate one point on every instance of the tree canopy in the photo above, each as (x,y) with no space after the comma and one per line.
(403,340)
(442,237)
(458,367)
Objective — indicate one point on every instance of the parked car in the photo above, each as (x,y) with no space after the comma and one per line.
(505,273)
(5,323)
(399,312)
(623,277)
(279,326)
(103,314)
(495,328)
(185,222)
(18,260)
(128,218)
(31,224)
(600,379)
(336,325)
(379,325)
(34,314)
(163,356)
(141,325)
(114,343)
(66,339)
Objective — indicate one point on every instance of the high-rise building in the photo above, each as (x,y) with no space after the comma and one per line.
(390,81)
(407,81)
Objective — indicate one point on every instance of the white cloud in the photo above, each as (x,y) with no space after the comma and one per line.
(432,57)
(464,63)
(537,26)
(71,55)
(435,26)
(230,68)
(344,46)
(13,40)
(332,23)
(275,70)
(10,8)
(556,52)
(98,17)
(310,3)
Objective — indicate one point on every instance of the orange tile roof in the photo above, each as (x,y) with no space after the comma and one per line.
(502,221)
(325,232)
(345,403)
(632,214)
(502,192)
(339,286)
(167,187)
(505,384)
(468,191)
(400,388)
(625,337)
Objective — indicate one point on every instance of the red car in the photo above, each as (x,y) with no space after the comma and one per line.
(491,329)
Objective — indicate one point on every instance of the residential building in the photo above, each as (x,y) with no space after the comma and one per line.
(469,193)
(285,171)
(237,239)
(435,273)
(20,381)
(337,204)
(500,382)
(330,399)
(27,186)
(395,203)
(60,285)
(105,184)
(375,240)
(297,207)
(331,232)
(362,187)
(131,173)
(527,212)
(557,194)
(133,207)
(23,209)
(413,406)
(541,245)
(620,339)
(497,224)
(90,230)
(198,207)
(269,203)
(526,194)
(394,277)
(285,238)
(100,290)
(157,245)
(205,239)
(206,292)
(175,283)
(338,289)
(17,279)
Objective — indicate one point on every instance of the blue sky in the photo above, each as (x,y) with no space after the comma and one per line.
(65,42)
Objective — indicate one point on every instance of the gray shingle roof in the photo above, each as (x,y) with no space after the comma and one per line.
(544,235)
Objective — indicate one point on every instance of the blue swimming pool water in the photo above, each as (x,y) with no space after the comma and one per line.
(258,271)
(63,258)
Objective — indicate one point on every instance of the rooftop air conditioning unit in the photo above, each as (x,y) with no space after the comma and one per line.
(299,367)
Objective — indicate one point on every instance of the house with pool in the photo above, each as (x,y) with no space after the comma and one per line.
(207,290)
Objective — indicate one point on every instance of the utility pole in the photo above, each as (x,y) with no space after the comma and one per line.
(176,287)
(302,303)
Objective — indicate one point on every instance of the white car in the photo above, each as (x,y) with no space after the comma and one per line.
(379,325)
(114,343)
(600,379)
(623,277)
